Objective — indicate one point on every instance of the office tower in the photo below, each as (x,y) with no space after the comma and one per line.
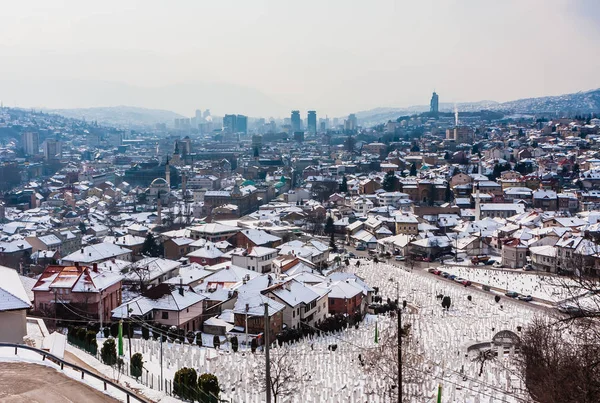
(241,124)
(206,113)
(30,142)
(52,149)
(312,122)
(351,123)
(434,104)
(296,121)
(230,123)
(198,116)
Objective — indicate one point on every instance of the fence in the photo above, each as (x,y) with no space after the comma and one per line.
(153,381)
(107,382)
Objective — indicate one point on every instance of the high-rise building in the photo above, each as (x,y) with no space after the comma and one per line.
(230,123)
(312,122)
(206,113)
(52,149)
(242,124)
(434,104)
(351,124)
(30,142)
(296,121)
(198,116)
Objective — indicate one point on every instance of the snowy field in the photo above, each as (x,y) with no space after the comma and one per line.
(336,376)
(548,288)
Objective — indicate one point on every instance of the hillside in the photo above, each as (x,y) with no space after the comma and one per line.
(120,116)
(577,103)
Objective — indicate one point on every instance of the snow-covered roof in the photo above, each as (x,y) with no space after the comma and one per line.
(12,292)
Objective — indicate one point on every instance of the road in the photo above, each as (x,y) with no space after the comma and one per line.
(21,383)
(422,271)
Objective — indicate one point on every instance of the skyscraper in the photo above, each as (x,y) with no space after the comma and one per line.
(312,122)
(30,142)
(230,123)
(296,121)
(434,104)
(241,124)
(52,149)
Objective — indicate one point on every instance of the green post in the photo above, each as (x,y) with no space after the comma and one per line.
(121,338)
(376,334)
(439,399)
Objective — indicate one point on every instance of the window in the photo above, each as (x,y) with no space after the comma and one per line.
(187,310)
(293,314)
(165,315)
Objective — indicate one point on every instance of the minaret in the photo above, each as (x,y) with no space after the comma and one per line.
(477,204)
(168,174)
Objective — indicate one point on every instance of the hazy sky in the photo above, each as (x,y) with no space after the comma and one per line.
(333,56)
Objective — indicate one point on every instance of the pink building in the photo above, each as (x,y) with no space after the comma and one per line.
(76,292)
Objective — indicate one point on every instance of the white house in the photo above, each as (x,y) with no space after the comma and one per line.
(14,304)
(258,258)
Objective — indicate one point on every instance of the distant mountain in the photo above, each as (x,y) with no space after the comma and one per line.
(120,116)
(577,103)
(184,98)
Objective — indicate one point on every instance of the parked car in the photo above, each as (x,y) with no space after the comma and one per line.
(445,275)
(528,267)
(432,271)
(489,262)
(460,259)
(399,258)
(497,264)
(466,283)
(526,298)
(351,255)
(427,259)
(437,272)
(361,247)
(512,294)
(451,277)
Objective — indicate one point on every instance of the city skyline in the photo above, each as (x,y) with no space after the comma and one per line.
(164,56)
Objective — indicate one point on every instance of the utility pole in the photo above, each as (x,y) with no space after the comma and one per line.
(161,359)
(267,357)
(246,328)
(55,308)
(129,332)
(399,355)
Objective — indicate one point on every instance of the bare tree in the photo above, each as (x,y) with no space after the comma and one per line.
(560,363)
(285,374)
(382,361)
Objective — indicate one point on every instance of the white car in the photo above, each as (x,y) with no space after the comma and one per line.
(497,264)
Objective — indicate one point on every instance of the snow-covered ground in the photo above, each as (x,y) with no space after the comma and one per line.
(336,376)
(545,287)
(441,339)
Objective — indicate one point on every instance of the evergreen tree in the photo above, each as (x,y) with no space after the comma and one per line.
(209,388)
(449,195)
(415,148)
(447,156)
(256,151)
(332,244)
(344,185)
(109,352)
(329,228)
(389,181)
(413,169)
(137,364)
(150,246)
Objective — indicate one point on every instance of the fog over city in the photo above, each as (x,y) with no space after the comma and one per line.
(264,58)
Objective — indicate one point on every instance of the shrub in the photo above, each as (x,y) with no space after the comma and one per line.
(145,333)
(190,337)
(469,298)
(185,383)
(253,345)
(208,384)
(114,329)
(81,334)
(137,363)
(234,344)
(109,352)
(446,302)
(106,332)
(216,341)
(199,340)
(89,336)
(497,298)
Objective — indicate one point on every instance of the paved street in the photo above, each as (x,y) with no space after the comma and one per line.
(21,383)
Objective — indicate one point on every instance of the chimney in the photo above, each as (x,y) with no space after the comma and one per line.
(181,287)
(247,307)
(95,267)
